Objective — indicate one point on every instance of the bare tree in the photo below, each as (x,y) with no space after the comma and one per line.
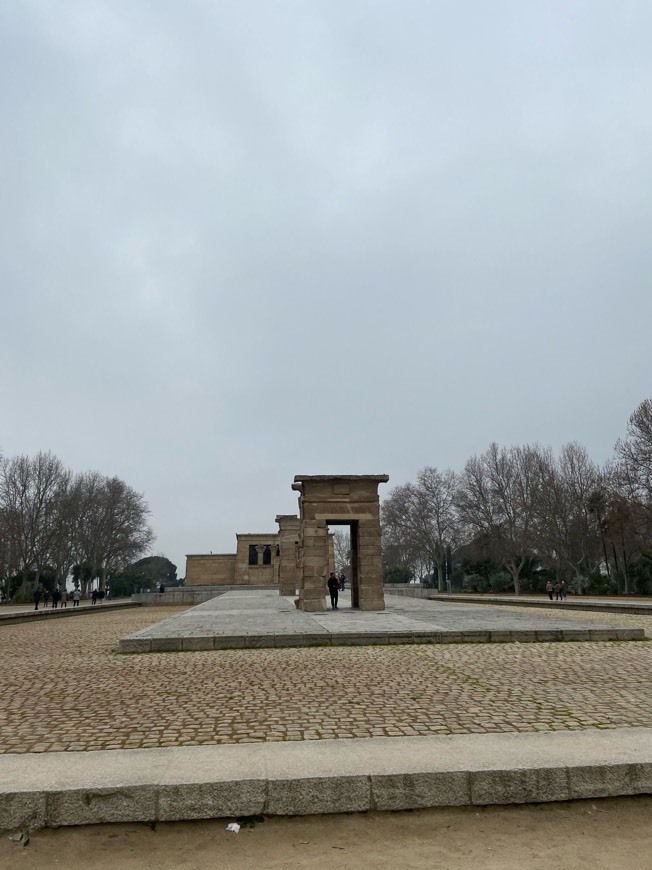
(500,497)
(635,452)
(29,489)
(51,520)
(342,549)
(422,518)
(67,522)
(569,528)
(114,529)
(626,520)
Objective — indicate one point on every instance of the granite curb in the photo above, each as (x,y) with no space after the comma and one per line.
(371,638)
(642,609)
(325,776)
(35,615)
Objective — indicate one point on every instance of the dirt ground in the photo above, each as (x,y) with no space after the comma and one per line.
(583,835)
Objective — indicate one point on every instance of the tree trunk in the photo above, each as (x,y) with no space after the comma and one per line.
(618,587)
(23,591)
(515,572)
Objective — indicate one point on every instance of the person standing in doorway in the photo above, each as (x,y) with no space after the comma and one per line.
(333,587)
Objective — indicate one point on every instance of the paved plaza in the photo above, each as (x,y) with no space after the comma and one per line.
(262,618)
(66,687)
(88,734)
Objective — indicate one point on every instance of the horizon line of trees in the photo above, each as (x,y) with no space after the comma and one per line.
(147,573)
(55,523)
(517,516)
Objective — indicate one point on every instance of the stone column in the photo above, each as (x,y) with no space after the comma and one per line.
(371,595)
(313,541)
(288,537)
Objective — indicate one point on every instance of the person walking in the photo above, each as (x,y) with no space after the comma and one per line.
(64,598)
(37,597)
(94,596)
(557,591)
(562,590)
(550,589)
(46,597)
(56,596)
(342,582)
(76,595)
(333,587)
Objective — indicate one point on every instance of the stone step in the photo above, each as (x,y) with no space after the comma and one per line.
(197,641)
(322,776)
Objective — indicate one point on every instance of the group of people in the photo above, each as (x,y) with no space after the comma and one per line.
(56,597)
(558,589)
(97,595)
(336,584)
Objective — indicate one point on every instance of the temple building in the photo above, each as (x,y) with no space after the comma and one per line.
(300,555)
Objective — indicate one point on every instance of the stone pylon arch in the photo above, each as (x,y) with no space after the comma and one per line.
(349,500)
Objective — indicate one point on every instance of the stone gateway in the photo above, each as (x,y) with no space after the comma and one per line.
(300,554)
(344,500)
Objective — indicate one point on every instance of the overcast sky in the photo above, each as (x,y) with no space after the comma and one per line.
(243,240)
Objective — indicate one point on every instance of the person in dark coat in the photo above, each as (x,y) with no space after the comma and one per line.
(333,587)
(37,598)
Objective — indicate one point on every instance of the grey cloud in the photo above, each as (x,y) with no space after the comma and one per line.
(243,240)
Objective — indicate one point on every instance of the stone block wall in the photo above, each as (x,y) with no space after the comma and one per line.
(214,569)
(260,574)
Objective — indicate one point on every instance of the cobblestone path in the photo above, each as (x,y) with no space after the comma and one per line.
(64,687)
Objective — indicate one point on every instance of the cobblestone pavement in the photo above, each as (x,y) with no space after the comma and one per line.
(66,688)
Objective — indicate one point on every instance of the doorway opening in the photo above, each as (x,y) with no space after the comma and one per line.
(346,556)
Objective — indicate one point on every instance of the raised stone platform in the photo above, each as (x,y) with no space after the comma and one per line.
(326,776)
(247,618)
(176,595)
(26,613)
(607,604)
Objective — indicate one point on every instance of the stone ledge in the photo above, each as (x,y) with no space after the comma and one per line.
(326,776)
(63,612)
(618,605)
(368,638)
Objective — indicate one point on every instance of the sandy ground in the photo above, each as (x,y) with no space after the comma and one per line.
(614,833)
